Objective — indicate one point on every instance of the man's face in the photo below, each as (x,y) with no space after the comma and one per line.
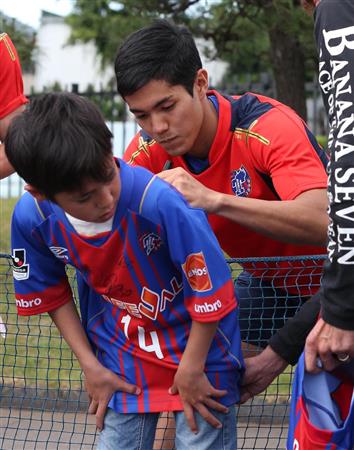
(169,114)
(94,201)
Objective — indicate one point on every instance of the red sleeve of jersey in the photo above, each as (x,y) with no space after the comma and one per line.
(214,307)
(138,152)
(282,150)
(39,302)
(146,153)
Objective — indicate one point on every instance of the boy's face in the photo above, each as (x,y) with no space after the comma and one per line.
(94,201)
(170,115)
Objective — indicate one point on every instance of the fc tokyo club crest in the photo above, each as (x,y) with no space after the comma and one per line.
(241,182)
(151,242)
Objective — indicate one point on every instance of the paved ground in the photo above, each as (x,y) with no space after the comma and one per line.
(37,430)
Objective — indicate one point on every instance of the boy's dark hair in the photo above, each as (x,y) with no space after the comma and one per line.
(60,141)
(161,51)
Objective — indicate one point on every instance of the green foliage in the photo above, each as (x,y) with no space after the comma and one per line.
(55,87)
(23,38)
(6,207)
(110,103)
(322,140)
(254,36)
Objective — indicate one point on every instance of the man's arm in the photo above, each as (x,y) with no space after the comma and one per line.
(190,381)
(285,347)
(100,382)
(303,220)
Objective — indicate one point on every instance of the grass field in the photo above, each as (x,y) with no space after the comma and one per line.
(6,208)
(33,353)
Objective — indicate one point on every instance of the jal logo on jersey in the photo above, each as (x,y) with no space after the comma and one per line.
(20,269)
(241,182)
(151,242)
(196,271)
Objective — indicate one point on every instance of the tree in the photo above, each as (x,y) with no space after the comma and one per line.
(253,35)
(265,35)
(23,38)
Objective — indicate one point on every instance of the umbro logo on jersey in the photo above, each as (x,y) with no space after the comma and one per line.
(20,269)
(208,307)
(59,252)
(21,303)
(241,182)
(151,242)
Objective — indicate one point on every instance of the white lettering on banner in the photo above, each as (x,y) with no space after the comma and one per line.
(296,445)
(21,303)
(344,177)
(336,82)
(346,258)
(208,307)
(343,193)
(346,213)
(342,34)
(342,149)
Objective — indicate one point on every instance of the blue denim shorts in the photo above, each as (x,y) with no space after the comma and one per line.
(137,432)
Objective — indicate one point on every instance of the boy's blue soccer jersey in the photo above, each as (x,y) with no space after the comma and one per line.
(140,286)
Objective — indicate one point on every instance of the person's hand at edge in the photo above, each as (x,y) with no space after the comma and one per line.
(260,371)
(327,346)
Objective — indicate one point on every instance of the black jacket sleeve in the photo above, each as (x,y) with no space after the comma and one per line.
(334,32)
(289,341)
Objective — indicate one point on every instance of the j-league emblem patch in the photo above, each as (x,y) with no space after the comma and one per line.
(241,182)
(19,267)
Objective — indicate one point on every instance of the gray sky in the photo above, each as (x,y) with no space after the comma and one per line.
(29,11)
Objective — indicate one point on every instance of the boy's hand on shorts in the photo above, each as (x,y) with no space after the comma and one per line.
(100,384)
(198,394)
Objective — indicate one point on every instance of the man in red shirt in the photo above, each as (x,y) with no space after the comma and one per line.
(12,100)
(249,161)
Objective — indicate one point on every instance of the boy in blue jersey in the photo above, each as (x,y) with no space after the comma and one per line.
(159,318)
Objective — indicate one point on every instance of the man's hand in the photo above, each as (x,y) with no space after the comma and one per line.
(100,384)
(260,372)
(330,344)
(198,394)
(194,192)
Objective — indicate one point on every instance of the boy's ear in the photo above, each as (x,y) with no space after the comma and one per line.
(34,192)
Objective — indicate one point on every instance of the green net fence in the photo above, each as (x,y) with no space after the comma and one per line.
(43,404)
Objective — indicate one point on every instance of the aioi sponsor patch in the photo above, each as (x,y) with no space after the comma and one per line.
(20,269)
(196,271)
(240,182)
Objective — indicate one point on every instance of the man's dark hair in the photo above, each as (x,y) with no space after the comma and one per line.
(161,51)
(60,141)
